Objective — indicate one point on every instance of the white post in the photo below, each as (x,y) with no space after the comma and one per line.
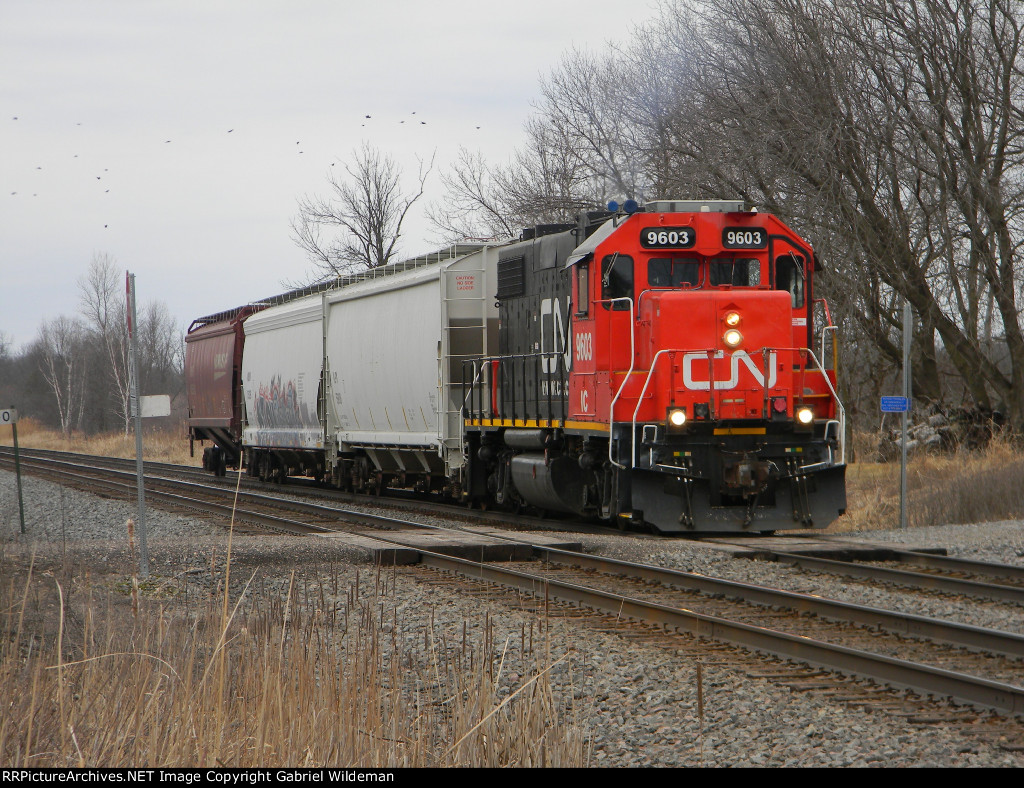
(136,411)
(908,321)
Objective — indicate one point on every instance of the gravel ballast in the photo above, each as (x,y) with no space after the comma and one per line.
(637,702)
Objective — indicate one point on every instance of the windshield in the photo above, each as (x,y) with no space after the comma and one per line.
(673,272)
(737,272)
(696,272)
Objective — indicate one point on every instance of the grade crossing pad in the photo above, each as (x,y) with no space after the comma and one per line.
(403,547)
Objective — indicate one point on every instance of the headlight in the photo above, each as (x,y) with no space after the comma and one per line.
(732,319)
(732,337)
(804,415)
(677,417)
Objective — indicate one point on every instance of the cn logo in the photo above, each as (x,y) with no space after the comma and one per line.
(699,362)
(553,325)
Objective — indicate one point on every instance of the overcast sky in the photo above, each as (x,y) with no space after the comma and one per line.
(177,136)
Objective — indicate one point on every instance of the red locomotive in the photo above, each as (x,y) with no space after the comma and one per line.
(685,388)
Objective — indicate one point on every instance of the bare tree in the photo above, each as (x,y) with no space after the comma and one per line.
(476,204)
(889,131)
(360,223)
(161,349)
(61,344)
(539,186)
(102,302)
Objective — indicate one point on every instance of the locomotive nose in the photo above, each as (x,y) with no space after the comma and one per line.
(727,349)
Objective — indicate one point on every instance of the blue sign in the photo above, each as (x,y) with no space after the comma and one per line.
(894,405)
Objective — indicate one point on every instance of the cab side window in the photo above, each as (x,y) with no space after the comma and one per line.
(582,289)
(789,276)
(617,280)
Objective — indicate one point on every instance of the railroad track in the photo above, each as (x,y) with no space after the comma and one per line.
(983,668)
(845,688)
(297,487)
(218,500)
(946,574)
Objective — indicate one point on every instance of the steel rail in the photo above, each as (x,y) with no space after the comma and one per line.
(297,506)
(902,577)
(301,488)
(69,456)
(894,672)
(1006,571)
(979,638)
(283,523)
(905,624)
(922,557)
(346,515)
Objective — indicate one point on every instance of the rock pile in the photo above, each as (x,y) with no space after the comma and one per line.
(962,428)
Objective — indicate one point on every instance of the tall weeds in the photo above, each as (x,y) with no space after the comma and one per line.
(310,677)
(964,487)
(159,445)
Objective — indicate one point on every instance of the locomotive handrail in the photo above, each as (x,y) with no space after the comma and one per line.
(839,405)
(462,410)
(840,422)
(640,400)
(835,350)
(559,372)
(625,380)
(650,373)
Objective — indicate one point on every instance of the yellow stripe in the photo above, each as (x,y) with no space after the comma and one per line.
(586,425)
(512,423)
(740,431)
(544,423)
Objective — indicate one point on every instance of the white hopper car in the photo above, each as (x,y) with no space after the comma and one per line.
(360,385)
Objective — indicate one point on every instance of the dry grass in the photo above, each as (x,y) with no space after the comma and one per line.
(317,675)
(158,445)
(965,487)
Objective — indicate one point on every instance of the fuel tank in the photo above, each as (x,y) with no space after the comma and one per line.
(553,483)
